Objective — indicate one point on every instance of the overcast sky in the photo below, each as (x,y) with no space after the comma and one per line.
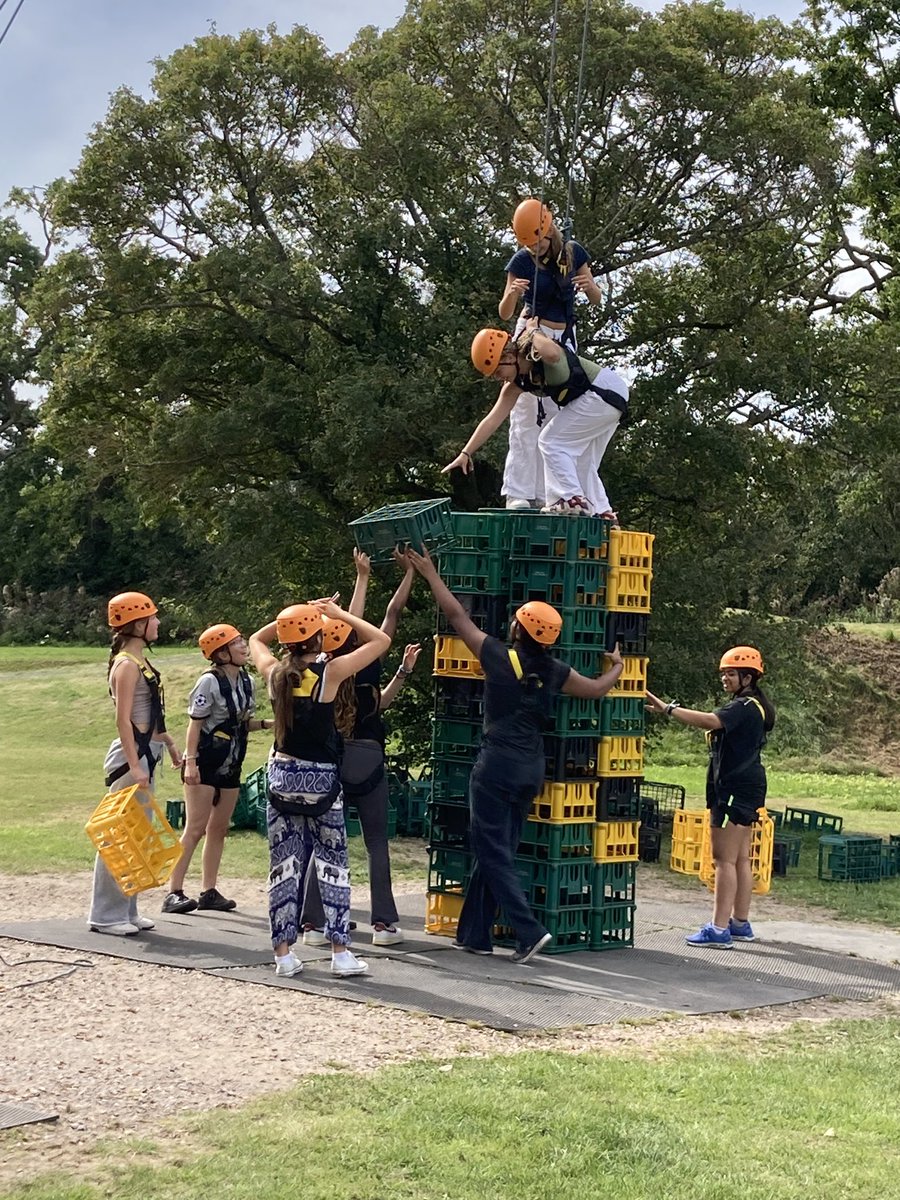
(62,58)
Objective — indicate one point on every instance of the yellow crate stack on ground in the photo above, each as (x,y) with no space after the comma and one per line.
(762,847)
(442,911)
(687,840)
(137,844)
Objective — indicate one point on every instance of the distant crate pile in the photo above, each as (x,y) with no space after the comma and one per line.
(578,855)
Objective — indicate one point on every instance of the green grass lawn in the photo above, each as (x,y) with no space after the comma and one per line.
(807,1113)
(884,630)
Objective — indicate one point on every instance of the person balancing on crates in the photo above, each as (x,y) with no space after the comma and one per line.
(591,400)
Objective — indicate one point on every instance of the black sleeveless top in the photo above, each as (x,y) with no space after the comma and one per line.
(312,736)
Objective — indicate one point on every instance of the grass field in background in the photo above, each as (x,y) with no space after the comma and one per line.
(885,630)
(56,722)
(805,1113)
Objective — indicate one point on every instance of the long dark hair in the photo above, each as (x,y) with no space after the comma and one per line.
(284,677)
(753,689)
(120,637)
(345,698)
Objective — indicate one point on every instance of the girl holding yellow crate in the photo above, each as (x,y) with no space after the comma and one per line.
(735,788)
(137,693)
(520,684)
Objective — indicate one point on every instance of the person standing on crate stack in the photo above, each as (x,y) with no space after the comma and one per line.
(221,709)
(591,402)
(545,274)
(358,708)
(305,813)
(137,693)
(519,689)
(735,788)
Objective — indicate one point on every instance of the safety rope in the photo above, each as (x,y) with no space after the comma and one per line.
(547,118)
(568,220)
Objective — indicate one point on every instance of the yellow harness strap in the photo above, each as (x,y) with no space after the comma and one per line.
(515,664)
(308,681)
(762,711)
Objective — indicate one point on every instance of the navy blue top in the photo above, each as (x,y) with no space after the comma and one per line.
(735,767)
(555,299)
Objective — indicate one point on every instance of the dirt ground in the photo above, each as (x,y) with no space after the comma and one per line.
(117,1047)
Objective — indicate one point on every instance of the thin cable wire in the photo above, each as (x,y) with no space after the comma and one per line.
(549,114)
(576,123)
(77,964)
(11,19)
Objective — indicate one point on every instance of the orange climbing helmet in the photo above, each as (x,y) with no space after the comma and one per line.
(216,637)
(541,620)
(531,221)
(487,349)
(336,633)
(298,623)
(128,607)
(742,658)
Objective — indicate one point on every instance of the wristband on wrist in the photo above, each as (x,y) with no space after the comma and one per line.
(469,456)
(402,671)
(189,757)
(671,706)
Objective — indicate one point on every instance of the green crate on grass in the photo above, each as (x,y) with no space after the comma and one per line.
(253,786)
(850,858)
(612,927)
(175,813)
(422,524)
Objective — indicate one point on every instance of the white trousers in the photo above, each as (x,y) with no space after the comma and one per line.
(523,472)
(572,448)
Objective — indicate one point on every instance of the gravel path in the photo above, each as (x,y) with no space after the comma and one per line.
(115,1047)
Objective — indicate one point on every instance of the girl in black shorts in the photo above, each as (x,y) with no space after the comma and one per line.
(735,787)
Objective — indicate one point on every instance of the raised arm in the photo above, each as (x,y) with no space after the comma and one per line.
(450,606)
(260,654)
(513,292)
(594,689)
(488,425)
(357,603)
(400,598)
(373,645)
(585,283)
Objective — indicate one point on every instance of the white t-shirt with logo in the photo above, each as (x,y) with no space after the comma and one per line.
(207,704)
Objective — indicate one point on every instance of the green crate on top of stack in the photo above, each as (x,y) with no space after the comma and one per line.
(422,524)
(534,535)
(486,530)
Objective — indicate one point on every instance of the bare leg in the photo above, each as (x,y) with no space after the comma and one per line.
(216,830)
(198,800)
(730,845)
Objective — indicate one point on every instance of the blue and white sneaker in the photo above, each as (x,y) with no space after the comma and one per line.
(710,936)
(741,931)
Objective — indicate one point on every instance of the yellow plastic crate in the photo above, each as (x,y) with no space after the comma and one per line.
(628,590)
(633,680)
(630,549)
(137,844)
(619,755)
(442,911)
(687,840)
(453,657)
(762,847)
(565,803)
(616,841)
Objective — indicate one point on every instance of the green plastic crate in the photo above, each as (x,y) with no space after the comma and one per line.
(450,780)
(578,584)
(449,869)
(850,858)
(612,927)
(482,531)
(535,535)
(475,571)
(613,883)
(623,716)
(556,885)
(452,738)
(422,524)
(555,843)
(570,927)
(175,813)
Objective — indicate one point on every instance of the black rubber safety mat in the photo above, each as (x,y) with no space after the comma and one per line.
(198,941)
(12,1115)
(515,1005)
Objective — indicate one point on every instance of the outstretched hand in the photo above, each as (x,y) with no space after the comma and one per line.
(654,704)
(363,563)
(463,461)
(423,563)
(410,654)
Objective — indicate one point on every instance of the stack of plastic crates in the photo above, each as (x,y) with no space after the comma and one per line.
(850,858)
(762,845)
(578,854)
(476,569)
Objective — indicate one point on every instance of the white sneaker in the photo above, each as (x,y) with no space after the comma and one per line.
(144,923)
(387,935)
(291,965)
(514,502)
(118,929)
(315,937)
(346,963)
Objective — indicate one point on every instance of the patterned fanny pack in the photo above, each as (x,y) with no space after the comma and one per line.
(303,789)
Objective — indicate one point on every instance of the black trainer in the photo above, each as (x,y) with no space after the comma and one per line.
(215,900)
(526,953)
(178,902)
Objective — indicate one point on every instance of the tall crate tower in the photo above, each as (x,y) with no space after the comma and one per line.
(579,848)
